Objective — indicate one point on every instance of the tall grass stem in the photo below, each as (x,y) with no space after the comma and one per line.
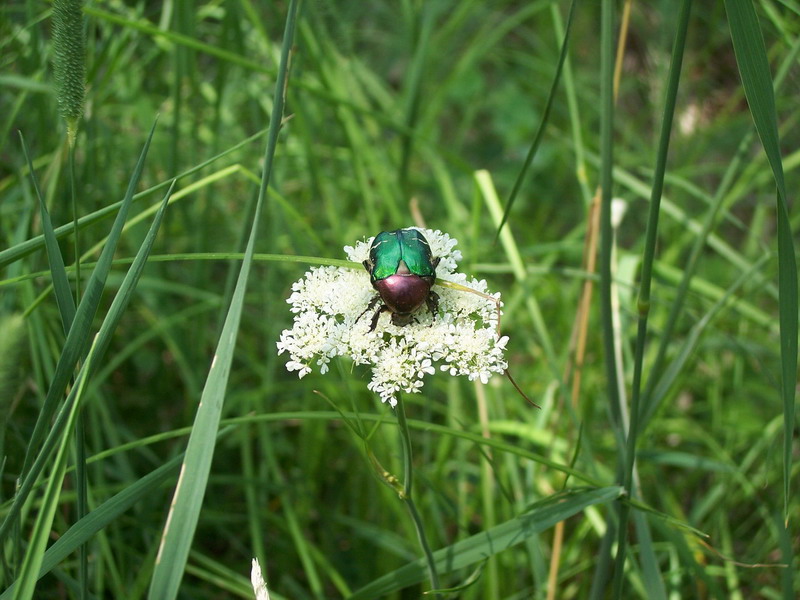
(643,302)
(408,478)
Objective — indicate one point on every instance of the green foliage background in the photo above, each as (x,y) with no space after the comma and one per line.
(398,113)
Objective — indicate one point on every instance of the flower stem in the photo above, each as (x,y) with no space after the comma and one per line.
(405,439)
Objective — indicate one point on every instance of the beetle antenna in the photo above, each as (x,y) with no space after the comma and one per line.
(463,288)
(457,286)
(507,373)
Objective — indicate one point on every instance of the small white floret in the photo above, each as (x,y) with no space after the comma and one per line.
(328,304)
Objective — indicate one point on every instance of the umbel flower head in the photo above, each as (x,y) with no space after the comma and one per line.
(329,320)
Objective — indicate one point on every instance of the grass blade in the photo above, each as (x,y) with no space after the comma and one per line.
(477,548)
(84,529)
(66,304)
(416,73)
(31,564)
(22,249)
(78,335)
(643,303)
(606,185)
(104,334)
(751,59)
(184,512)
(103,515)
(605,255)
(689,345)
(651,574)
(545,117)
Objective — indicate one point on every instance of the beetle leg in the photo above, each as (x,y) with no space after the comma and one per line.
(370,306)
(403,319)
(377,315)
(432,301)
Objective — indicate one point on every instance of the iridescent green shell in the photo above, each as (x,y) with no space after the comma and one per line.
(391,248)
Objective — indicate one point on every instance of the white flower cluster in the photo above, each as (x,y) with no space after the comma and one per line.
(329,304)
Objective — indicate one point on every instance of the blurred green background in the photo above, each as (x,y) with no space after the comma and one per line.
(391,110)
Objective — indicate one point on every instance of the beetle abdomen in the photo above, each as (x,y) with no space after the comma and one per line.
(404,293)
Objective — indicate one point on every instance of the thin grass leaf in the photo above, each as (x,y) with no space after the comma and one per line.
(78,335)
(751,59)
(83,530)
(607,45)
(106,330)
(787,557)
(64,299)
(474,438)
(683,354)
(651,574)
(687,280)
(604,566)
(606,184)
(643,306)
(701,231)
(65,419)
(176,38)
(542,124)
(28,574)
(477,548)
(698,577)
(303,546)
(416,71)
(184,511)
(471,580)
(22,249)
(489,193)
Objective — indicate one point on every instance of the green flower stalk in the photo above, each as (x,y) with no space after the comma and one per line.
(70,62)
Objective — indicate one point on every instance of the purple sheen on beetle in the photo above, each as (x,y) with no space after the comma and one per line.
(404,294)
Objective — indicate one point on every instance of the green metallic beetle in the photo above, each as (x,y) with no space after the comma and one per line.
(403,271)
